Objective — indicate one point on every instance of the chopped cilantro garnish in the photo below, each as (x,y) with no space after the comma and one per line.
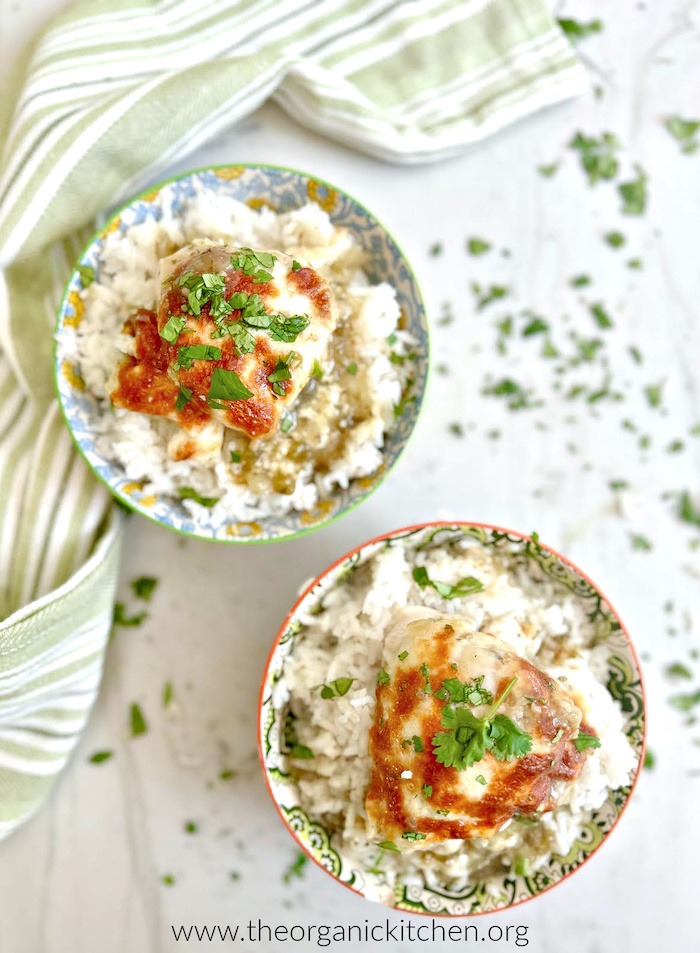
(172,329)
(402,655)
(168,880)
(241,337)
(339,687)
(615,239)
(87,275)
(634,193)
(640,542)
(521,866)
(100,756)
(582,741)
(183,398)
(317,370)
(457,692)
(190,827)
(649,759)
(618,484)
(601,316)
(389,845)
(580,281)
(167,696)
(486,296)
(547,171)
(417,744)
(478,246)
(687,511)
(138,722)
(295,265)
(654,394)
(296,868)
(301,751)
(465,587)
(288,329)
(235,456)
(684,132)
(635,264)
(517,396)
(144,587)
(413,835)
(456,429)
(678,670)
(382,677)
(189,493)
(121,618)
(577,30)
(226,774)
(467,738)
(196,352)
(227,385)
(535,326)
(480,778)
(351,368)
(427,791)
(597,155)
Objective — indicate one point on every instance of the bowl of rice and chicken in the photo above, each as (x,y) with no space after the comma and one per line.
(451,719)
(241,353)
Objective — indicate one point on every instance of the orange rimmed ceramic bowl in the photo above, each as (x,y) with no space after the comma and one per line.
(277,731)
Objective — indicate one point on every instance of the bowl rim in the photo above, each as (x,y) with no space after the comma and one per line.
(391,534)
(123,499)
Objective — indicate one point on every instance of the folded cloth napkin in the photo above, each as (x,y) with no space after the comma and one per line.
(114,92)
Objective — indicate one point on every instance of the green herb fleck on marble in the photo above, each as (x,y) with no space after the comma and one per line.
(634,193)
(597,156)
(615,239)
(478,246)
(144,587)
(99,757)
(577,30)
(137,720)
(684,131)
(296,868)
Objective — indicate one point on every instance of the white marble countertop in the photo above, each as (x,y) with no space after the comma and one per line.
(85,875)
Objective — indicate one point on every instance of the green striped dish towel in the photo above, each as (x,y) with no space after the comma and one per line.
(115,91)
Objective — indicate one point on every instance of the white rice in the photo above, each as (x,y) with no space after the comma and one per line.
(538,617)
(285,472)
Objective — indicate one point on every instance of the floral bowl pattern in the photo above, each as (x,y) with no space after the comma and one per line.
(624,684)
(257,186)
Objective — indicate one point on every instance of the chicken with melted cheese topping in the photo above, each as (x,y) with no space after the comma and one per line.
(235,338)
(467,734)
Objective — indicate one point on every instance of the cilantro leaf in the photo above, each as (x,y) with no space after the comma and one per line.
(184,396)
(189,493)
(144,587)
(100,756)
(464,742)
(172,329)
(506,741)
(382,677)
(465,587)
(120,617)
(577,30)
(288,329)
(478,246)
(197,352)
(683,131)
(227,385)
(87,275)
(634,193)
(339,687)
(597,155)
(138,722)
(241,337)
(687,511)
(583,741)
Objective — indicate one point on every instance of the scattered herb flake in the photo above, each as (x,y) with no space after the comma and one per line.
(382,677)
(640,542)
(678,670)
(654,394)
(413,835)
(137,720)
(649,759)
(577,30)
(547,171)
(296,868)
(687,511)
(167,696)
(684,132)
(227,385)
(100,756)
(583,741)
(144,587)
(190,827)
(478,246)
(121,618)
(601,316)
(634,193)
(685,702)
(435,249)
(427,791)
(389,845)
(615,239)
(597,156)
(189,493)
(580,281)
(465,587)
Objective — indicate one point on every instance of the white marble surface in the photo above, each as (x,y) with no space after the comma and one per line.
(84,875)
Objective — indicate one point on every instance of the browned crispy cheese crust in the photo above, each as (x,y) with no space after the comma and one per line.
(459,805)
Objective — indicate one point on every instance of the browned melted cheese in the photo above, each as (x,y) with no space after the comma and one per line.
(459,806)
(149,382)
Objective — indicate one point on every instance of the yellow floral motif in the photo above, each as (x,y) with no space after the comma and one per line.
(150,196)
(132,488)
(112,227)
(148,500)
(320,513)
(231,172)
(257,204)
(244,529)
(76,303)
(72,376)
(322,195)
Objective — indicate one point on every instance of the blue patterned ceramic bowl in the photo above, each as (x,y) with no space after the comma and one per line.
(624,684)
(283,190)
